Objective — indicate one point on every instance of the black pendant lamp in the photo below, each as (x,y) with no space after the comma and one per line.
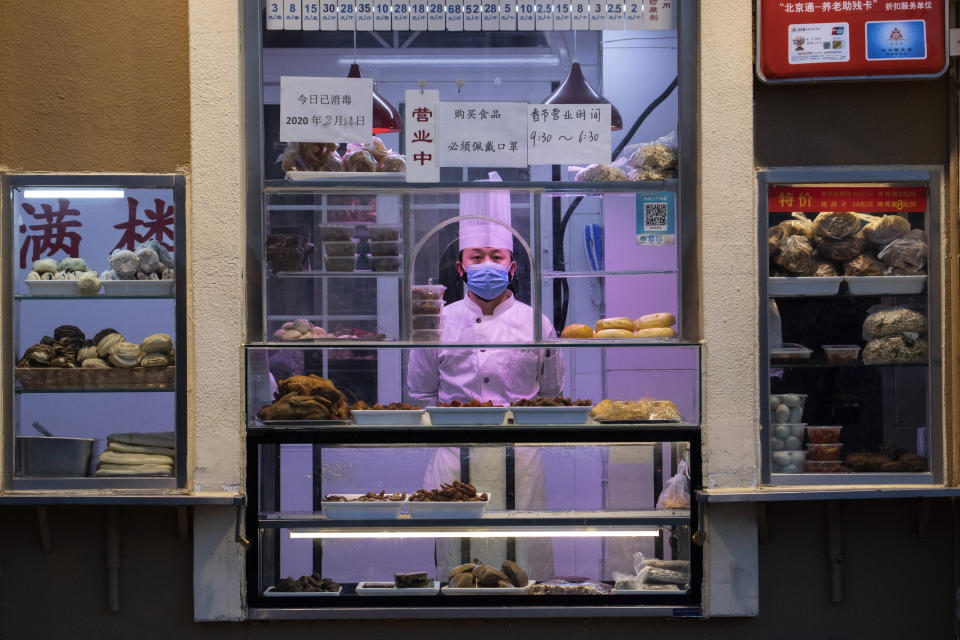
(576,90)
(386,118)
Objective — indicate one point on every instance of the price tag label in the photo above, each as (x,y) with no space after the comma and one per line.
(580,15)
(633,15)
(274,16)
(436,15)
(491,16)
(346,15)
(364,11)
(526,15)
(329,109)
(401,15)
(568,133)
(598,15)
(614,14)
(508,16)
(381,15)
(561,16)
(659,15)
(544,15)
(482,134)
(291,15)
(328,15)
(472,16)
(311,15)
(419,16)
(454,15)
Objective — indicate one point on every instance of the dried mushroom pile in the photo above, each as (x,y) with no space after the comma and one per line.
(69,348)
(307,584)
(474,575)
(456,492)
(845,243)
(307,397)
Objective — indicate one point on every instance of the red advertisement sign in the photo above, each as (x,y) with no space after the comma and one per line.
(813,199)
(810,41)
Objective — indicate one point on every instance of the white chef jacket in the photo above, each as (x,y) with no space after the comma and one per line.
(501,376)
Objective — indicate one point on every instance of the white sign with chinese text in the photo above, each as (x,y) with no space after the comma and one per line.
(614,14)
(526,15)
(419,15)
(580,15)
(346,15)
(420,135)
(436,16)
(328,15)
(472,16)
(311,15)
(508,16)
(325,109)
(634,15)
(454,15)
(365,17)
(561,17)
(544,13)
(568,133)
(658,14)
(274,16)
(401,15)
(381,15)
(491,16)
(482,134)
(291,15)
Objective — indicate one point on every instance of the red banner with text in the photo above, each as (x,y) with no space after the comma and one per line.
(813,199)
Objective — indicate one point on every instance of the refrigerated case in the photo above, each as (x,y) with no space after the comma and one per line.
(348,281)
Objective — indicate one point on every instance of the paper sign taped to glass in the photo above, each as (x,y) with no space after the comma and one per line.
(326,109)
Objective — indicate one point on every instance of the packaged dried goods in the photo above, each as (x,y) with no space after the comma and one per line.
(795,255)
(893,321)
(863,265)
(880,231)
(835,225)
(908,253)
(896,350)
(840,250)
(826,270)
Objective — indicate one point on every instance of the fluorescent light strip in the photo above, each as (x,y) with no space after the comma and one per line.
(450,61)
(73,193)
(483,533)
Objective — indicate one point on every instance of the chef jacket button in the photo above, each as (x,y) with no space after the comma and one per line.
(486,380)
(482,350)
(478,320)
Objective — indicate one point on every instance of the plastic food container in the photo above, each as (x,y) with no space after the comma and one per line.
(790,353)
(340,249)
(787,408)
(824,452)
(823,435)
(804,286)
(426,335)
(384,263)
(375,510)
(385,248)
(428,291)
(426,322)
(383,233)
(787,461)
(786,437)
(340,263)
(336,232)
(829,466)
(427,307)
(841,353)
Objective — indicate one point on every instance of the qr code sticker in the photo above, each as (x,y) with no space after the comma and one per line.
(655,216)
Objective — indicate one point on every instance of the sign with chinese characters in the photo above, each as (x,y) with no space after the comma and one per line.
(659,14)
(482,134)
(814,199)
(420,135)
(325,109)
(656,219)
(810,41)
(568,133)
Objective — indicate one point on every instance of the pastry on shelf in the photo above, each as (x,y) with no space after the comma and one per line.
(308,397)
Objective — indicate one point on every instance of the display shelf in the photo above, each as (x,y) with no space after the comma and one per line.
(335,274)
(27,296)
(94,483)
(349,343)
(848,365)
(795,479)
(606,274)
(117,497)
(552,188)
(167,390)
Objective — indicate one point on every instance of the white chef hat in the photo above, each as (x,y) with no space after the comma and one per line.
(489,204)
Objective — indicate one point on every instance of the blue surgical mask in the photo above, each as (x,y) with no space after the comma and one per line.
(487,280)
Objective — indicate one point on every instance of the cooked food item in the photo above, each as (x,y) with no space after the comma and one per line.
(577,331)
(38,355)
(465,580)
(515,573)
(863,265)
(835,225)
(107,342)
(157,343)
(487,576)
(473,404)
(124,354)
(913,462)
(654,155)
(657,575)
(456,492)
(428,291)
(393,163)
(87,351)
(463,568)
(369,496)
(44,265)
(613,333)
(658,332)
(895,350)
(891,322)
(427,307)
(307,397)
(824,452)
(154,360)
(893,451)
(601,173)
(617,410)
(557,401)
(393,406)
(562,587)
(307,584)
(473,575)
(881,231)
(795,255)
(654,321)
(360,161)
(908,253)
(614,323)
(88,283)
(840,250)
(94,363)
(826,270)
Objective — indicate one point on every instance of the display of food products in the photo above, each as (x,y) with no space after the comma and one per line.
(563,587)
(653,325)
(473,575)
(577,331)
(654,161)
(303,329)
(863,265)
(307,584)
(288,252)
(643,410)
(341,249)
(881,231)
(787,407)
(795,255)
(823,452)
(414,580)
(393,406)
(426,322)
(896,350)
(786,437)
(69,348)
(384,263)
(472,404)
(841,353)
(138,454)
(148,261)
(370,496)
(323,156)
(906,255)
(823,435)
(428,291)
(336,232)
(824,466)
(427,307)
(456,492)
(835,225)
(88,283)
(894,321)
(601,173)
(340,264)
(384,248)
(556,401)
(891,460)
(787,461)
(383,233)
(308,397)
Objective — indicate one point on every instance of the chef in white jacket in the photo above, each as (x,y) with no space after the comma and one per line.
(488,314)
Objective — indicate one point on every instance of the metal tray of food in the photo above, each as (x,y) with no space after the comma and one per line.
(389,417)
(466,415)
(446,510)
(550,415)
(371,510)
(272,592)
(493,591)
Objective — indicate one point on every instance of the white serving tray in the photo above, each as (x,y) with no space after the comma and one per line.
(885,285)
(446,510)
(364,590)
(52,287)
(138,287)
(466,415)
(391,417)
(495,591)
(386,510)
(551,415)
(646,592)
(809,286)
(272,593)
(347,176)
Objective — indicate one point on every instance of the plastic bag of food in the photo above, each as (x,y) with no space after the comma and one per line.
(887,322)
(881,231)
(600,173)
(840,250)
(863,265)
(640,562)
(624,581)
(675,494)
(826,270)
(795,254)
(836,225)
(659,155)
(906,347)
(907,253)
(656,575)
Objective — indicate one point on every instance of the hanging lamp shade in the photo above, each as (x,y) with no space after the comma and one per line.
(576,90)
(386,118)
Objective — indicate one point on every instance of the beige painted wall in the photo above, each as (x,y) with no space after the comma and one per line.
(94,85)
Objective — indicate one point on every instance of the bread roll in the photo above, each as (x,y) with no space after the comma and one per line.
(656,332)
(615,323)
(573,331)
(655,320)
(614,333)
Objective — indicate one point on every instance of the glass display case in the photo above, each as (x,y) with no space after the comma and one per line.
(850,305)
(97,375)
(488,385)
